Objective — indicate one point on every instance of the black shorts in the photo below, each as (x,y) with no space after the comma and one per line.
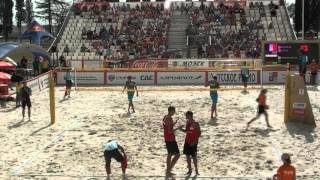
(108,155)
(68,84)
(261,109)
(302,69)
(244,78)
(25,103)
(172,147)
(190,150)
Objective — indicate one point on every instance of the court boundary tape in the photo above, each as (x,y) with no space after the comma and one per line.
(104,89)
(141,176)
(16,171)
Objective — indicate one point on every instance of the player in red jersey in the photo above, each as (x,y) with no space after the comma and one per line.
(170,140)
(193,132)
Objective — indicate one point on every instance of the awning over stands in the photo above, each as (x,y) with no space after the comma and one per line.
(16,51)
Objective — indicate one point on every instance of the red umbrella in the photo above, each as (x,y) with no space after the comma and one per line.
(6,65)
(5,76)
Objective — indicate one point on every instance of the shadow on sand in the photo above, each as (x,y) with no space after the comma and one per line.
(124,115)
(213,122)
(8,109)
(264,132)
(62,100)
(192,178)
(40,129)
(18,124)
(301,129)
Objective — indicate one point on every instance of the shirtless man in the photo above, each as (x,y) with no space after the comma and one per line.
(131,87)
(170,140)
(193,133)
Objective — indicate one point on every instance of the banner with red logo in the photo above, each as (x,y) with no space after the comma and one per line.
(149,63)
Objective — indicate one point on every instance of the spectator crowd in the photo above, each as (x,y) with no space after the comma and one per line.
(131,32)
(223,30)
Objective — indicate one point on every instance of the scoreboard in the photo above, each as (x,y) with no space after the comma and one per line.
(282,52)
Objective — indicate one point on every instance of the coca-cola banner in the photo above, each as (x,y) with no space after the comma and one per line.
(149,63)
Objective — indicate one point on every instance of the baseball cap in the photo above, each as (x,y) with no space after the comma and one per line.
(285,156)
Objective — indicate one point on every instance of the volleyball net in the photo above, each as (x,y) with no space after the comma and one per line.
(176,72)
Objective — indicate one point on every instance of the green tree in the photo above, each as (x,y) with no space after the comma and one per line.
(29,11)
(7,18)
(20,13)
(1,16)
(50,10)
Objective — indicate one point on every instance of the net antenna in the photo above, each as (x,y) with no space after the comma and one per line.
(75,79)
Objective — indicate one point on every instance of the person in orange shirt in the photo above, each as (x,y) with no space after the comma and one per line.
(262,107)
(314,71)
(286,171)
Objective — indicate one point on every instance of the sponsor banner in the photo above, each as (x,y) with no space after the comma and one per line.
(279,77)
(233,77)
(34,85)
(264,2)
(92,64)
(82,78)
(299,108)
(299,105)
(190,63)
(44,81)
(180,78)
(75,64)
(120,78)
(149,63)
(39,83)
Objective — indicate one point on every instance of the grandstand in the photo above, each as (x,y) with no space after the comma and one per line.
(123,31)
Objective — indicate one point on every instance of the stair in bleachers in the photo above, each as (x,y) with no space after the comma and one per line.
(177,38)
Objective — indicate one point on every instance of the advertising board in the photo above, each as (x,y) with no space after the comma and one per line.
(149,63)
(120,78)
(83,78)
(181,78)
(188,63)
(233,77)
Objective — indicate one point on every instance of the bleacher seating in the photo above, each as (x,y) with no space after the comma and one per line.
(234,31)
(99,30)
(124,31)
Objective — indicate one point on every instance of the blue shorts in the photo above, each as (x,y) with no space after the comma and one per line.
(214,98)
(130,97)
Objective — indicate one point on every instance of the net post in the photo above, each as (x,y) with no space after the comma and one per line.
(287,96)
(52,98)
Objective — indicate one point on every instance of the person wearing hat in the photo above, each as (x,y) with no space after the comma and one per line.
(112,149)
(286,171)
(25,99)
(131,87)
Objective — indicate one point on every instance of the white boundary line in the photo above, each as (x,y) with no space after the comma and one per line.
(16,171)
(144,176)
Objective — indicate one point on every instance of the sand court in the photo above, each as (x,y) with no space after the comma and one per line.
(89,118)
